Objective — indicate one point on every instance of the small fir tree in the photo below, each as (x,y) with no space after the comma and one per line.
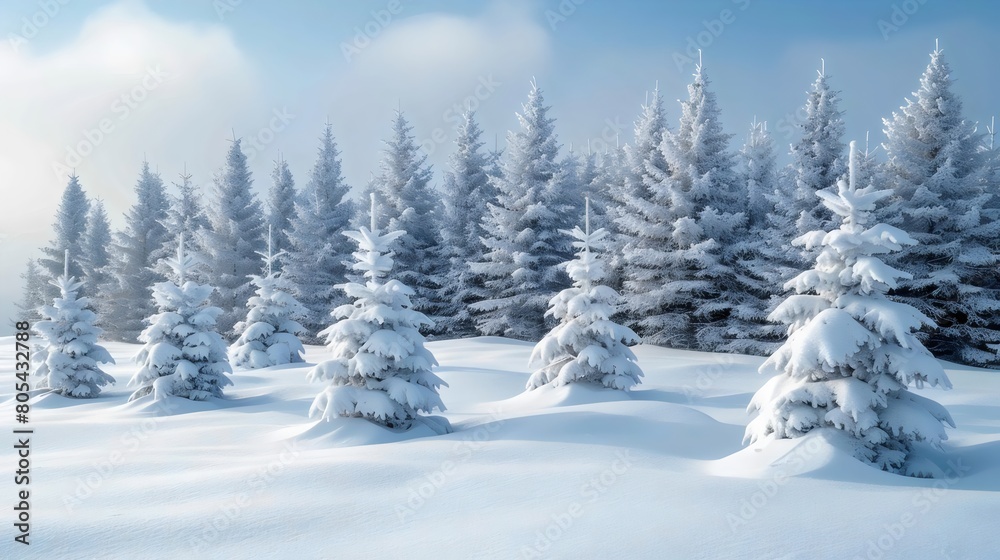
(270,335)
(184,355)
(851,352)
(586,345)
(380,369)
(67,359)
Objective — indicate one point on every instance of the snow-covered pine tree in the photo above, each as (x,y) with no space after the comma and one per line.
(269,336)
(818,156)
(68,356)
(523,249)
(281,206)
(95,257)
(380,369)
(230,246)
(467,191)
(642,210)
(852,352)
(133,257)
(32,294)
(413,206)
(186,215)
(184,355)
(687,307)
(68,229)
(587,346)
(318,253)
(758,259)
(936,173)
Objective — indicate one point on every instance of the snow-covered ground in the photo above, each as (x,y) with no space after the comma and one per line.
(573,472)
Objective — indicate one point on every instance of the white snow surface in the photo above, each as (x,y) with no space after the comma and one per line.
(561,472)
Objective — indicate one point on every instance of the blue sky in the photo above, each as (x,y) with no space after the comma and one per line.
(194,72)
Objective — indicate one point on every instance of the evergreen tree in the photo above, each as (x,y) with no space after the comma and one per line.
(33,293)
(186,215)
(641,216)
(586,345)
(467,191)
(269,337)
(95,258)
(318,253)
(67,360)
(380,369)
(281,206)
(184,355)
(134,255)
(759,258)
(68,230)
(412,205)
(237,233)
(686,290)
(818,156)
(937,173)
(522,246)
(851,351)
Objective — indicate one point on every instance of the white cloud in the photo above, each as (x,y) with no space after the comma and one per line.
(433,65)
(158,88)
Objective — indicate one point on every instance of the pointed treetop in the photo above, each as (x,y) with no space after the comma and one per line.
(852,166)
(822,67)
(66,263)
(184,262)
(373,210)
(270,257)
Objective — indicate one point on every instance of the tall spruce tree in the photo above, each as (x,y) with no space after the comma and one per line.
(133,257)
(523,248)
(237,233)
(412,205)
(95,257)
(318,252)
(68,234)
(186,215)
(690,300)
(937,175)
(467,191)
(32,292)
(641,215)
(281,207)
(759,258)
(818,156)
